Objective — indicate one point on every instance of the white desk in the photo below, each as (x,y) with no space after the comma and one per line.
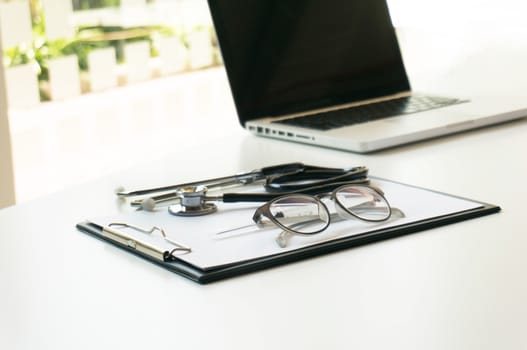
(461,286)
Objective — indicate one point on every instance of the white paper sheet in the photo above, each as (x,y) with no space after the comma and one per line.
(211,250)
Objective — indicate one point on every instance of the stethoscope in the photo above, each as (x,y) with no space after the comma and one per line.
(191,199)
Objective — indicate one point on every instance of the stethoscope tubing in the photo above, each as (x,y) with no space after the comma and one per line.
(257,197)
(279,185)
(200,204)
(311,177)
(285,179)
(265,197)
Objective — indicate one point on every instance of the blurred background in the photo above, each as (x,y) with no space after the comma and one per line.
(84,79)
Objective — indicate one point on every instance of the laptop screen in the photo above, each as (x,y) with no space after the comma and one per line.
(289,56)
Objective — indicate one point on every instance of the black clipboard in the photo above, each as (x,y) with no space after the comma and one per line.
(239,268)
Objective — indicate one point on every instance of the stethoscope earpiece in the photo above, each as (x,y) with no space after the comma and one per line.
(148,204)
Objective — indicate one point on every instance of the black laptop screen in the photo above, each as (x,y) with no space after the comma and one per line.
(286,56)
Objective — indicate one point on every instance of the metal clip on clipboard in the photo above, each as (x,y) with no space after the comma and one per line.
(141,246)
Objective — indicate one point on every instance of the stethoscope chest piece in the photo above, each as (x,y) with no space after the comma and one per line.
(192,202)
(180,210)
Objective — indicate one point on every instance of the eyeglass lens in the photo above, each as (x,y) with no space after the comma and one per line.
(302,214)
(363,202)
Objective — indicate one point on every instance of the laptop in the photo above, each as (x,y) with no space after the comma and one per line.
(330,73)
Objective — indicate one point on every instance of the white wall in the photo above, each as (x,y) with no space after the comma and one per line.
(486,15)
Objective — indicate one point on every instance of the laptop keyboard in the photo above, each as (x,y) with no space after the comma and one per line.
(369,112)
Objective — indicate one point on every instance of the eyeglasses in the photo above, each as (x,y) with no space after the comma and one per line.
(300,214)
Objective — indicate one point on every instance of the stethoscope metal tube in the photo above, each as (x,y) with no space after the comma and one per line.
(237,179)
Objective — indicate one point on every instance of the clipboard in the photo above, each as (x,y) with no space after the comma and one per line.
(237,267)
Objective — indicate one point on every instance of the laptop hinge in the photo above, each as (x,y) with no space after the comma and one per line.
(343,106)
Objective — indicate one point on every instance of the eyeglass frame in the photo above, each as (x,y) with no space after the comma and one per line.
(264,210)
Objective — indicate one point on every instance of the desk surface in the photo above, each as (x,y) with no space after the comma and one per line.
(461,286)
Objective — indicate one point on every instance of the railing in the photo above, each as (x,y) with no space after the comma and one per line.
(54,53)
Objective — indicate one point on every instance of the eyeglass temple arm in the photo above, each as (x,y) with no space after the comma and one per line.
(283,237)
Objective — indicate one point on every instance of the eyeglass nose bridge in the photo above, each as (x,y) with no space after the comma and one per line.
(257,218)
(263,211)
(278,217)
